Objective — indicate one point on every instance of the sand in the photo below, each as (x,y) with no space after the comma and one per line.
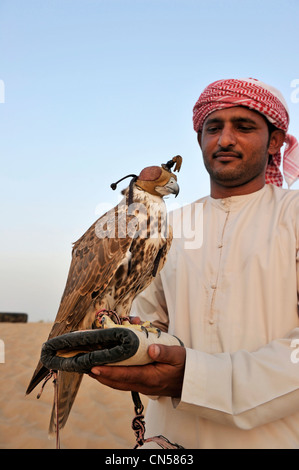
(100,418)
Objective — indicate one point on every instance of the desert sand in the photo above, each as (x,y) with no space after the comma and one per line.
(100,418)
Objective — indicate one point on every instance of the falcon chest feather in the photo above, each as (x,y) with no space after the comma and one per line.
(146,255)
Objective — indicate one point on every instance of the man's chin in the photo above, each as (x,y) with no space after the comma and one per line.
(229,177)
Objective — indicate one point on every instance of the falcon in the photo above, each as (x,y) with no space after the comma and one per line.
(113,261)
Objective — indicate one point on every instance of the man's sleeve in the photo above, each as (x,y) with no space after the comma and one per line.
(244,389)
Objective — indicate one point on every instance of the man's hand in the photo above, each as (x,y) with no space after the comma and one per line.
(164,377)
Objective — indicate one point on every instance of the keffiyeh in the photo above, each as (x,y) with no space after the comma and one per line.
(260,97)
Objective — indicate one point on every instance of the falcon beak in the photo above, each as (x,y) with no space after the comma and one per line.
(172,187)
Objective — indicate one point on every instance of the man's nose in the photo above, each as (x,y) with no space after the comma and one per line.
(227,137)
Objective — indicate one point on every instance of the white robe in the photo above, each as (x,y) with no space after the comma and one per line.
(233,302)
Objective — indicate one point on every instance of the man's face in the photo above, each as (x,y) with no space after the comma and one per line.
(234,143)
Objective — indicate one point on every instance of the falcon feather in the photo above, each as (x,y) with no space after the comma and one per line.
(112,262)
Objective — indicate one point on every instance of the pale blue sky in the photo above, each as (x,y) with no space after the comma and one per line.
(97,89)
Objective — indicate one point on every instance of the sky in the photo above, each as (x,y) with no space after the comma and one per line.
(92,90)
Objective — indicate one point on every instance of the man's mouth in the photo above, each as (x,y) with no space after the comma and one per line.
(226,156)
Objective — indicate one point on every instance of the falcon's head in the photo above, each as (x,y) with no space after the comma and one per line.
(158,180)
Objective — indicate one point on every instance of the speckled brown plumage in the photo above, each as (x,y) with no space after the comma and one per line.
(108,272)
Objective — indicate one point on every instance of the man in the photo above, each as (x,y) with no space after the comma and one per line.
(233,301)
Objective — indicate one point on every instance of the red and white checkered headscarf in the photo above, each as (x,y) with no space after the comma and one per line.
(260,97)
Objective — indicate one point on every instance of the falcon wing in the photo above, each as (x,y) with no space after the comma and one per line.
(95,260)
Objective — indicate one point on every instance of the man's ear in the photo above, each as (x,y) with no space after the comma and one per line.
(276,141)
(199,138)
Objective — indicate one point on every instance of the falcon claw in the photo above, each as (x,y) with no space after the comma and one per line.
(110,319)
(143,328)
(149,328)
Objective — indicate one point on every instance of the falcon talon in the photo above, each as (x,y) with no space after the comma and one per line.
(143,328)
(107,322)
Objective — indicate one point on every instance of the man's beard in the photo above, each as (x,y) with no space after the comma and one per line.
(238,175)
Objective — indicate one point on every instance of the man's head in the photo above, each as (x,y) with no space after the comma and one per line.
(236,143)
(228,104)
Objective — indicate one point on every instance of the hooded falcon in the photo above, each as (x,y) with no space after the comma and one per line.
(115,259)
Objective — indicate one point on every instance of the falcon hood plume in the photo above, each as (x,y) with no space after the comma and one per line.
(115,259)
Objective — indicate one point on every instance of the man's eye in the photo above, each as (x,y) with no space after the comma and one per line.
(245,128)
(213,129)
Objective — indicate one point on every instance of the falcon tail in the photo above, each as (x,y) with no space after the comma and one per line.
(39,374)
(68,385)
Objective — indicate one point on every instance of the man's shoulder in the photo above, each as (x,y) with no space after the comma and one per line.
(283,194)
(284,204)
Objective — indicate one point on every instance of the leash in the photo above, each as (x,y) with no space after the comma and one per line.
(54,374)
(138,426)
(55,382)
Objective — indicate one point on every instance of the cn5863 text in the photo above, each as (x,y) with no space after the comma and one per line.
(170,459)
(153,459)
